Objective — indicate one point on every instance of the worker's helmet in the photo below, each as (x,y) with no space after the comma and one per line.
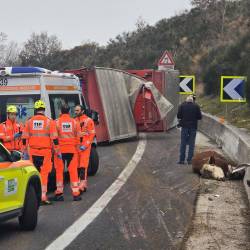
(39,104)
(11,109)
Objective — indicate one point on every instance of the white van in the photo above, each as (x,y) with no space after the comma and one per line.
(22,86)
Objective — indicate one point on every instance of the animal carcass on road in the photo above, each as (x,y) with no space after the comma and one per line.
(212,165)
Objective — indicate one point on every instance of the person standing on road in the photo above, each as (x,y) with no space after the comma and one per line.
(40,138)
(69,133)
(188,113)
(88,134)
(11,130)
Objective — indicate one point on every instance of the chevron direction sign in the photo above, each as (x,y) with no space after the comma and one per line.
(187,85)
(233,89)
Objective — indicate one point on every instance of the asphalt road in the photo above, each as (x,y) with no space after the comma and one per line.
(153,209)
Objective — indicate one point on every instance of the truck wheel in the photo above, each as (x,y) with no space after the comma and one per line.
(93,162)
(28,219)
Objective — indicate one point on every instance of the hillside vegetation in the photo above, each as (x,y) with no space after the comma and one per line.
(210,40)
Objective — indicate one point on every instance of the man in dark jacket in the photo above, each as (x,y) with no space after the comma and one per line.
(188,113)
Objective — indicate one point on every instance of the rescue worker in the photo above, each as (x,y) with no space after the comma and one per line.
(69,137)
(88,134)
(40,138)
(11,130)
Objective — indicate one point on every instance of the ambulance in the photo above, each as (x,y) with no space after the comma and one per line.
(23,86)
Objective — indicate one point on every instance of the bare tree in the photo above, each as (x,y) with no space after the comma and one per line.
(202,4)
(40,49)
(9,51)
(141,23)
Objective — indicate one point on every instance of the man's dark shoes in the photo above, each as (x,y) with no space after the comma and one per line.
(181,162)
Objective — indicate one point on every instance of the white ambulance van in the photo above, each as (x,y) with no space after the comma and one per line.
(22,86)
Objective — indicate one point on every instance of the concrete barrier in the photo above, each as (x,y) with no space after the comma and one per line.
(233,141)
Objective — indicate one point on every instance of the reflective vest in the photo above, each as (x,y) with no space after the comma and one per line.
(40,131)
(68,133)
(87,129)
(7,131)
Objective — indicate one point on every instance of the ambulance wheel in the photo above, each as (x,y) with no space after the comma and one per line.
(93,162)
(28,219)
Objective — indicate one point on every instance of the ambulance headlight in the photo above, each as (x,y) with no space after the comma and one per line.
(3,73)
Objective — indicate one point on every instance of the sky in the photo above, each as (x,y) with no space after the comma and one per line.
(77,21)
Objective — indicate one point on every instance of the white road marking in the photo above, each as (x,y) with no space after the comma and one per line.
(91,214)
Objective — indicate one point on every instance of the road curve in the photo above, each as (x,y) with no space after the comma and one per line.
(152,210)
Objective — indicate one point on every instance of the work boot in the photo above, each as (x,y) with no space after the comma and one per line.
(59,197)
(77,198)
(46,202)
(83,190)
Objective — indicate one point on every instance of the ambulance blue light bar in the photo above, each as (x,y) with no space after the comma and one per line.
(27,70)
(5,71)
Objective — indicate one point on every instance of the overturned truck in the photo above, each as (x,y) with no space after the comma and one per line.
(127,102)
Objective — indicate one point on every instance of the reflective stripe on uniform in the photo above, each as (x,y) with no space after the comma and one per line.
(59,184)
(44,188)
(59,187)
(39,134)
(89,132)
(74,187)
(83,184)
(57,125)
(67,136)
(25,134)
(79,134)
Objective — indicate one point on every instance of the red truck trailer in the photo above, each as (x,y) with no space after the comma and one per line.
(126,102)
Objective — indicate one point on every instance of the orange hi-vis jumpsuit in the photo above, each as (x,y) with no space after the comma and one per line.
(7,131)
(40,131)
(69,138)
(88,135)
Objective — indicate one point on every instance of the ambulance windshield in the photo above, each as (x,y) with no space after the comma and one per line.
(56,101)
(24,103)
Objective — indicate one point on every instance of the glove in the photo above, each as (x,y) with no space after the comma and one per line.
(59,156)
(17,135)
(82,148)
(26,156)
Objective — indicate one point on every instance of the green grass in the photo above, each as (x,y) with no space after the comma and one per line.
(237,114)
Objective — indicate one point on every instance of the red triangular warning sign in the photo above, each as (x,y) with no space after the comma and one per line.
(166,59)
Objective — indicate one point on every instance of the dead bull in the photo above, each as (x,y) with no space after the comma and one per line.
(211,164)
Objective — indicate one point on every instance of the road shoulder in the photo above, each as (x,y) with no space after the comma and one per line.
(222,214)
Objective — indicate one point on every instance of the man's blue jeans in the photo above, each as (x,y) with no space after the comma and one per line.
(188,136)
